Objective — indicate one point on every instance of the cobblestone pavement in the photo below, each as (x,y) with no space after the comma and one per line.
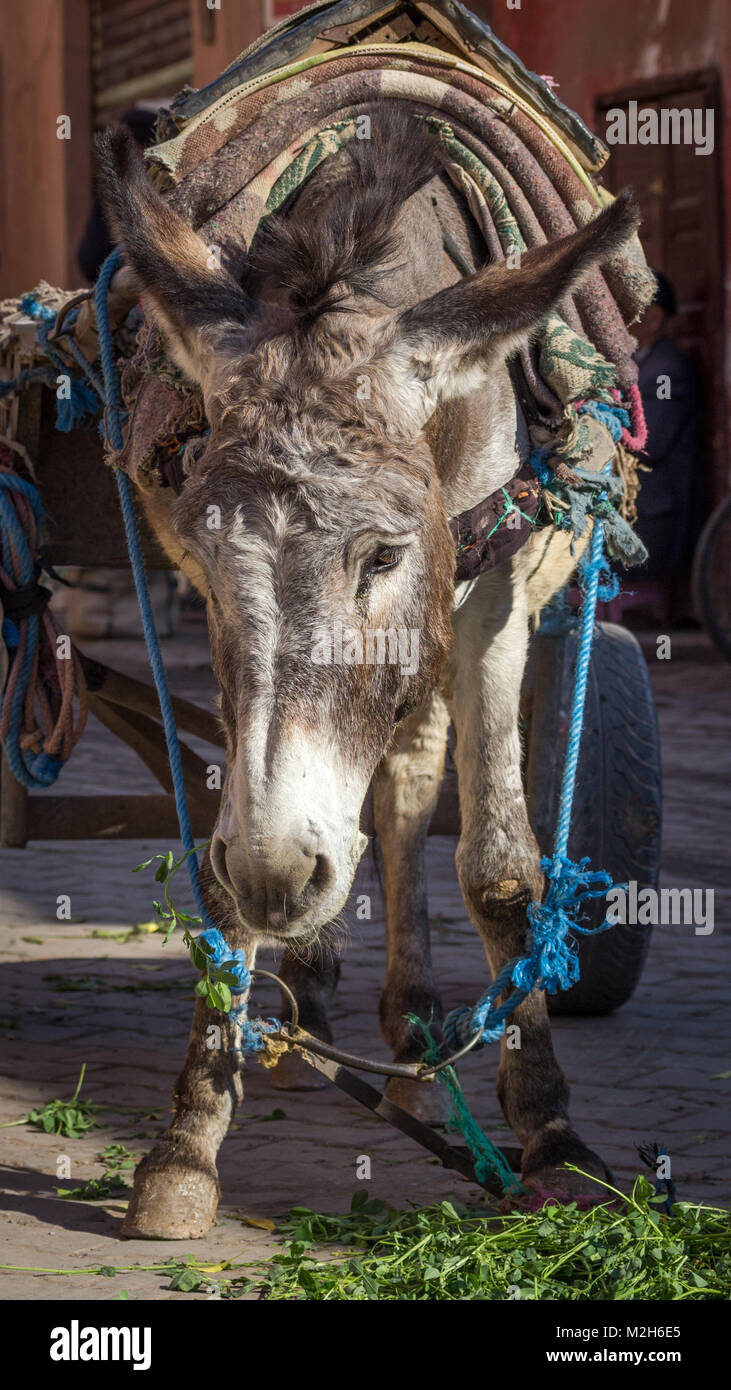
(73,994)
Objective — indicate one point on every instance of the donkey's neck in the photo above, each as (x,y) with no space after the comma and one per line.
(479,441)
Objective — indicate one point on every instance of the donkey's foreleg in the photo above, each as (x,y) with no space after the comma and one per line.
(405,793)
(498,864)
(176,1189)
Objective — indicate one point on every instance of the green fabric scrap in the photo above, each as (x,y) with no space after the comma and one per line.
(327,141)
(597,496)
(570,365)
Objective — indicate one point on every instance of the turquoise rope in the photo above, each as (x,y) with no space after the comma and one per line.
(489,1160)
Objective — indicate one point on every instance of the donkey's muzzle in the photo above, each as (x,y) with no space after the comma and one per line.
(275,886)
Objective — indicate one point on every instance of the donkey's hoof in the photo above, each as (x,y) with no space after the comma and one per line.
(544,1174)
(425,1100)
(558,1184)
(171,1201)
(292,1073)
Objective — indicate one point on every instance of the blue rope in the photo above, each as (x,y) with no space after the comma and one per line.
(27,377)
(552,963)
(576,718)
(254,1031)
(113,426)
(613,417)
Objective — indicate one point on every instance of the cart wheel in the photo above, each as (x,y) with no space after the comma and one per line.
(617,807)
(711,578)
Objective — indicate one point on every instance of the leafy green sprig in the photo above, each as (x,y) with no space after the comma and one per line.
(216,980)
(166,911)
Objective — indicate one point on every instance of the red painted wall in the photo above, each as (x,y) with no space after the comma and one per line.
(593,46)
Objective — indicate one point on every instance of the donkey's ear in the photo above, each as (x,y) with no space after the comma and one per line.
(443,346)
(199,306)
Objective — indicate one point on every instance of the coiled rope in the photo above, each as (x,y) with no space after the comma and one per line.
(38,724)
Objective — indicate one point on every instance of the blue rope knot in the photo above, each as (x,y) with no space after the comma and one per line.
(221,957)
(613,417)
(254,1031)
(553,963)
(592,493)
(461,1024)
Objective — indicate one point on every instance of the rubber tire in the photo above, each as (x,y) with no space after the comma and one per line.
(701,585)
(617,805)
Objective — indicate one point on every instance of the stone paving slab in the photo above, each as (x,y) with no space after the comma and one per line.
(648,1072)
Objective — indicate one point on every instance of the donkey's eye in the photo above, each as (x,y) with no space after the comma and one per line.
(385,559)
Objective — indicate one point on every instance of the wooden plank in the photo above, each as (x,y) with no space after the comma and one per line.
(147,739)
(120,689)
(115,818)
(153,817)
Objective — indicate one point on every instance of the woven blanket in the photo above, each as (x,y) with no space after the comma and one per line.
(240,160)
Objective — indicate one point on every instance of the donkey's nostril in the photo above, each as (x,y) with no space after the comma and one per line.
(288,897)
(322,875)
(218,862)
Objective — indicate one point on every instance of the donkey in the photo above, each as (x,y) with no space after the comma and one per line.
(359,396)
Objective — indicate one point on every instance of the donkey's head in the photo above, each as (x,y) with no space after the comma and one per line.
(315,515)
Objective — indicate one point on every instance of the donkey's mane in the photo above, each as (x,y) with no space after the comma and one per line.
(341,236)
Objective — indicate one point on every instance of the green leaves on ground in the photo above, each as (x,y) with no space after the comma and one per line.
(71,1118)
(623,1250)
(448,1252)
(96,1189)
(187,1279)
(117,1159)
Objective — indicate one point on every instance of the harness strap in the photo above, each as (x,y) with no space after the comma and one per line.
(496,527)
